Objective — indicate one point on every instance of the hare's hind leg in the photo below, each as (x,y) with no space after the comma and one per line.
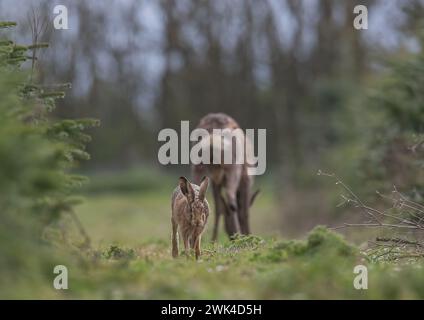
(186,243)
(192,241)
(174,238)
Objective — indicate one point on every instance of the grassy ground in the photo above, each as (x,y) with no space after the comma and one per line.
(130,258)
(320,267)
(136,217)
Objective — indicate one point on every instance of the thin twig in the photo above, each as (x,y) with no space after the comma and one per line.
(405,209)
(400,241)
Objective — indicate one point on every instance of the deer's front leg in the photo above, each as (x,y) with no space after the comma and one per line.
(243,200)
(219,207)
(174,238)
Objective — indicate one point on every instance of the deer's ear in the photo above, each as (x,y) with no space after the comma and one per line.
(253,197)
(203,188)
(186,188)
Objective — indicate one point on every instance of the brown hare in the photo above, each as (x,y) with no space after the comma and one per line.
(190,211)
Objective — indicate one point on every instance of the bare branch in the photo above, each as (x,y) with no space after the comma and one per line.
(407,214)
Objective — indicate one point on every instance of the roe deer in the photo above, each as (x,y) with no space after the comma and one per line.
(232,178)
(190,211)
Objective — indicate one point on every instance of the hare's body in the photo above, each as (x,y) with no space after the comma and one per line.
(190,211)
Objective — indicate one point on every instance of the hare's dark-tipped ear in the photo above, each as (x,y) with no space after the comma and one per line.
(186,188)
(203,188)
(183,185)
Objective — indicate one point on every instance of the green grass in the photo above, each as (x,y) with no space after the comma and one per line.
(130,232)
(252,267)
(131,258)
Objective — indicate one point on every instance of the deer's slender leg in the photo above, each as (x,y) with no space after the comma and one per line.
(174,238)
(232,180)
(230,221)
(243,199)
(218,209)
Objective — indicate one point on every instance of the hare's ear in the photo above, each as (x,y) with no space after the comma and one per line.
(186,188)
(203,188)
